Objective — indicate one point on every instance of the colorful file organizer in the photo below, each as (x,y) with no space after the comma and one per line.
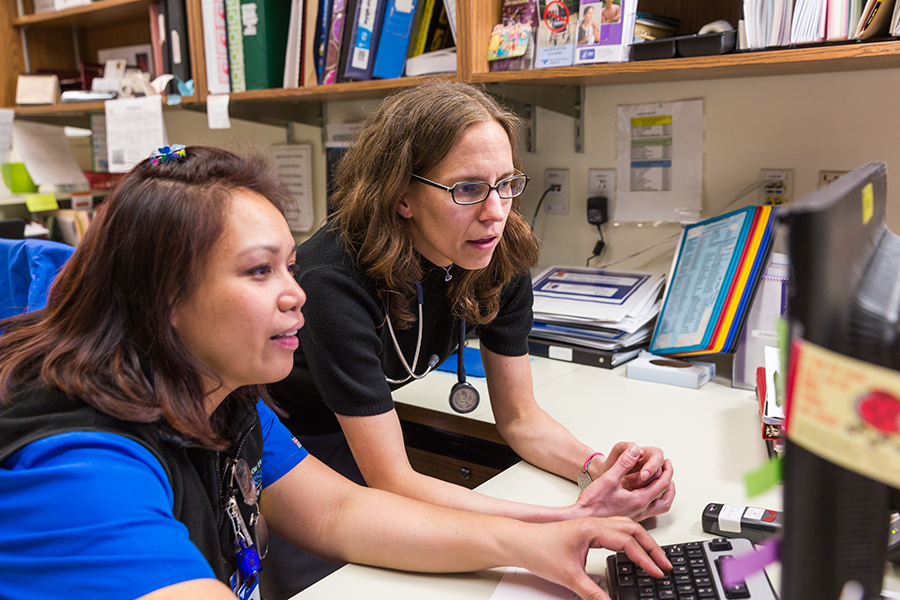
(715,272)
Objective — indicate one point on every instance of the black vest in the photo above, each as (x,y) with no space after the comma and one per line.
(194,472)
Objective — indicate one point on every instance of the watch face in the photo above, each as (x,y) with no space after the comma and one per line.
(463,398)
(584,480)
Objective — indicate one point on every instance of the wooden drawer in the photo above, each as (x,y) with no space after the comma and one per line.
(454,470)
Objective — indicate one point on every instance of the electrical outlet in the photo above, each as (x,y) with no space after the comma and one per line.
(557,199)
(778,187)
(602,182)
(826,177)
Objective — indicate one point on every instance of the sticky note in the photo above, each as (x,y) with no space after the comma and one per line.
(763,478)
(41,202)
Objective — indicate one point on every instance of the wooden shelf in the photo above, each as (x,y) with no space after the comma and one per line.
(96,14)
(790,61)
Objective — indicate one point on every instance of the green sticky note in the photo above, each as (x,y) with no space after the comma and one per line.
(784,341)
(41,202)
(763,478)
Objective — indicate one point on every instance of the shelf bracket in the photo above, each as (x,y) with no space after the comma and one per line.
(566,100)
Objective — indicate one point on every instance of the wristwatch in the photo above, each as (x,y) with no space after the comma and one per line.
(585,479)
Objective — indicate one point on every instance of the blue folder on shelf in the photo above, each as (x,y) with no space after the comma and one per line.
(396,30)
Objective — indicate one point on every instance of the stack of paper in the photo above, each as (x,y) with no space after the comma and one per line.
(609,312)
(715,272)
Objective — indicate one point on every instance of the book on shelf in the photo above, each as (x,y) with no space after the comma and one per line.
(604,33)
(294,47)
(156,30)
(235,34)
(177,36)
(320,47)
(555,45)
(365,30)
(264,25)
(335,39)
(396,29)
(878,19)
(308,46)
(432,29)
(717,267)
(513,39)
(344,55)
(215,46)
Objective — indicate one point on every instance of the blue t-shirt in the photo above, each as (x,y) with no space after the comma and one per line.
(89,515)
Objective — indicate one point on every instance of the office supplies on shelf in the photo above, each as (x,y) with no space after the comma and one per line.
(715,271)
(697,572)
(662,369)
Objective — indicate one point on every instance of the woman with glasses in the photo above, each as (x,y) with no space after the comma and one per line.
(136,457)
(427,241)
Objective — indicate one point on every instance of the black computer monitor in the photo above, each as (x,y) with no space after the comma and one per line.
(844,296)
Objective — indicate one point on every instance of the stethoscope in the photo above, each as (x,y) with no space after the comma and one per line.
(463,395)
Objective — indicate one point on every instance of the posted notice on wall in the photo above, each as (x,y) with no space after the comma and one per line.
(660,162)
(134,129)
(294,163)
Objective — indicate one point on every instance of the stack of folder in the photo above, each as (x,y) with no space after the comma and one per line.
(593,316)
(717,266)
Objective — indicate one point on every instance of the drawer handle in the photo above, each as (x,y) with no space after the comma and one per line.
(465,473)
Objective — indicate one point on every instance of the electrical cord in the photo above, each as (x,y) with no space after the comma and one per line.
(541,201)
(740,195)
(598,247)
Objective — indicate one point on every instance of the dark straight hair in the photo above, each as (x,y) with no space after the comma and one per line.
(105,336)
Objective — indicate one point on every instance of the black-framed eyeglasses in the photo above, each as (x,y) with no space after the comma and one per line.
(472,192)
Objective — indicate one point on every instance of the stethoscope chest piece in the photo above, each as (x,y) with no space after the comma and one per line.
(464,397)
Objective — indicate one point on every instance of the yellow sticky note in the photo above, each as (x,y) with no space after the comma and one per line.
(868,203)
(41,202)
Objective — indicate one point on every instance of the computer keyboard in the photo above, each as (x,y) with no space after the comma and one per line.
(696,574)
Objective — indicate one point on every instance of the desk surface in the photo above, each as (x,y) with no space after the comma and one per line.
(711,435)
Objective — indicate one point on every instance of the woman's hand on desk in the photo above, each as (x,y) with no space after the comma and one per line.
(561,557)
(624,487)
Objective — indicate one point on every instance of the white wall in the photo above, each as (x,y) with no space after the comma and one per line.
(808,123)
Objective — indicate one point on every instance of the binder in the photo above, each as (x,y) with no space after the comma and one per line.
(396,30)
(265,25)
(605,359)
(349,20)
(235,45)
(215,47)
(323,20)
(364,35)
(335,40)
(177,38)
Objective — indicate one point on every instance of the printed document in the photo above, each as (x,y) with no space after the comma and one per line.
(134,129)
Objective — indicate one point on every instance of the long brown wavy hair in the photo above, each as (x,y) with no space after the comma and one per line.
(105,335)
(411,132)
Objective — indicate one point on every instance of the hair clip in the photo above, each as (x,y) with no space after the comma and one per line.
(167,154)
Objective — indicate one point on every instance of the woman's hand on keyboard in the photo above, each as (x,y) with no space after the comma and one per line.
(560,555)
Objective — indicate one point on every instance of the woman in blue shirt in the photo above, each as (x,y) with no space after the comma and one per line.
(134,448)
